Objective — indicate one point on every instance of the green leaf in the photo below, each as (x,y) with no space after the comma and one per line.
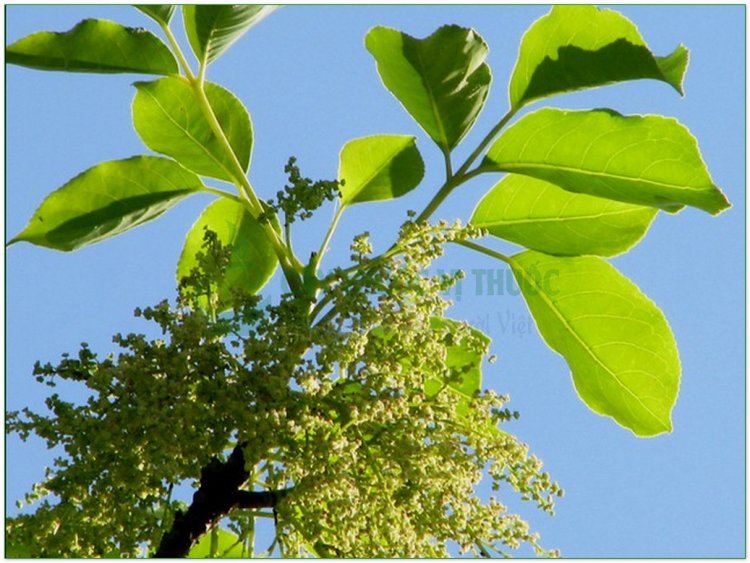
(107,200)
(161,13)
(228,546)
(379,167)
(253,260)
(541,216)
(17,550)
(646,160)
(619,346)
(168,117)
(464,358)
(211,29)
(441,80)
(94,46)
(577,47)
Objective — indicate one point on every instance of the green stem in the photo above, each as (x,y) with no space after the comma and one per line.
(214,542)
(448,164)
(253,204)
(484,250)
(486,141)
(315,262)
(463,174)
(221,193)
(177,51)
(446,189)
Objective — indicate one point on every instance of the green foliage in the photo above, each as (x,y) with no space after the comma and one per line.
(576,47)
(160,13)
(541,216)
(441,80)
(94,46)
(212,29)
(353,394)
(618,344)
(649,160)
(380,167)
(252,260)
(169,119)
(108,199)
(218,544)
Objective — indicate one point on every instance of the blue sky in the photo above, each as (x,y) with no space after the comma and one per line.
(310,86)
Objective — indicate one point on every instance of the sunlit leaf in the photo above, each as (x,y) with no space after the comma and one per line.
(161,13)
(252,261)
(169,119)
(108,199)
(228,546)
(212,28)
(441,80)
(94,46)
(576,47)
(646,160)
(379,167)
(541,216)
(619,346)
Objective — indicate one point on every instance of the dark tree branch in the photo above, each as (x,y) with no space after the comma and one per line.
(218,494)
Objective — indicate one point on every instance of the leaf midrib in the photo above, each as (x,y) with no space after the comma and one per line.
(514,167)
(531,220)
(432,99)
(190,136)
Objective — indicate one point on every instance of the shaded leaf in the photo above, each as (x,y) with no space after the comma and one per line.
(253,260)
(441,80)
(379,167)
(161,13)
(107,200)
(94,46)
(646,160)
(212,28)
(577,47)
(541,216)
(168,117)
(620,348)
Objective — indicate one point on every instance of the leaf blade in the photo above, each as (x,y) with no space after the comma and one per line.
(94,46)
(543,217)
(252,260)
(617,342)
(644,160)
(442,80)
(169,120)
(212,29)
(160,13)
(379,167)
(106,200)
(577,47)
(228,546)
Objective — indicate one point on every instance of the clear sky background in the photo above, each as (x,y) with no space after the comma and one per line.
(310,86)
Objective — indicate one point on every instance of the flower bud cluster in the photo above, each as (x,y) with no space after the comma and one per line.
(301,196)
